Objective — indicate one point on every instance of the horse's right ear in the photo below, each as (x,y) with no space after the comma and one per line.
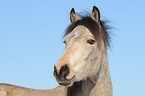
(73,16)
(95,15)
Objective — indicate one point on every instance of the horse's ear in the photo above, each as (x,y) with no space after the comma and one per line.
(95,15)
(73,16)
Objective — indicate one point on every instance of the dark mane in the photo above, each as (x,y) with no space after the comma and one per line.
(99,33)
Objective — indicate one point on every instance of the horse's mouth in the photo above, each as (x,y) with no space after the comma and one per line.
(67,82)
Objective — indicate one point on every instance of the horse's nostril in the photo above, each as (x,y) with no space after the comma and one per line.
(55,72)
(64,68)
(54,68)
(64,71)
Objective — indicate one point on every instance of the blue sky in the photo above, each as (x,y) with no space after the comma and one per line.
(31,41)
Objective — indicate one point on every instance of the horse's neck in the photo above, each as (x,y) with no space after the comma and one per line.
(103,85)
(99,85)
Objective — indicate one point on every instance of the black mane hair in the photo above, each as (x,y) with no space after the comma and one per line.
(99,33)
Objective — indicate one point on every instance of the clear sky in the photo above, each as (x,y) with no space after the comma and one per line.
(31,41)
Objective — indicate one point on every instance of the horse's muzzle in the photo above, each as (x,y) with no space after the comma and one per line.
(61,75)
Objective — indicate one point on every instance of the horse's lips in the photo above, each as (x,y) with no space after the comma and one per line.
(67,82)
(64,83)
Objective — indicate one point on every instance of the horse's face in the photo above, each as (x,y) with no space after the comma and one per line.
(79,59)
(82,56)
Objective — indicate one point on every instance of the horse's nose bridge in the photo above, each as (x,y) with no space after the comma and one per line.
(65,59)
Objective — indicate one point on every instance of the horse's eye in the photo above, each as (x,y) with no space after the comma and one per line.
(91,41)
(64,42)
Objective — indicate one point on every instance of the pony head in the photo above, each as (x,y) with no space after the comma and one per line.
(86,41)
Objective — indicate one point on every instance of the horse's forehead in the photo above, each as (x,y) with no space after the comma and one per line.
(80,32)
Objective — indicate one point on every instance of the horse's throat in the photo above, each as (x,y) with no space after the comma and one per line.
(82,88)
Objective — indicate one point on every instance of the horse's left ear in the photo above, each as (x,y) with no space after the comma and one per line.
(95,15)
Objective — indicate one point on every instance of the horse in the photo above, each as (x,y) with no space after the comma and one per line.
(83,69)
